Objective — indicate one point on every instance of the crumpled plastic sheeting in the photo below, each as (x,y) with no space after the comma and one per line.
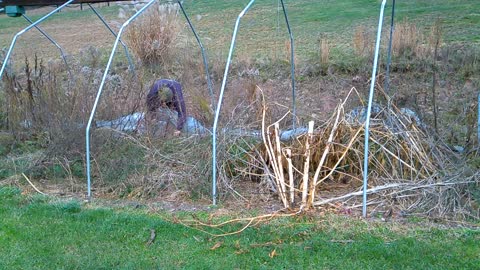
(136,123)
(128,123)
(358,115)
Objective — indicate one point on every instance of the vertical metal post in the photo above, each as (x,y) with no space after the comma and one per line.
(278,30)
(99,93)
(219,103)
(130,62)
(12,45)
(292,65)
(389,56)
(52,41)
(478,118)
(369,109)
(204,56)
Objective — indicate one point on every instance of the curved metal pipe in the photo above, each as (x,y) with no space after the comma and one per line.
(5,61)
(52,41)
(219,103)
(99,93)
(478,118)
(129,59)
(369,109)
(292,65)
(204,56)
(389,56)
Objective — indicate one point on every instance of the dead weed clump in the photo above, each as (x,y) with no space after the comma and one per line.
(324,51)
(362,41)
(148,167)
(48,107)
(152,36)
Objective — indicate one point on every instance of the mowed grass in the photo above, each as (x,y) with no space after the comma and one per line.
(263,30)
(41,233)
(73,29)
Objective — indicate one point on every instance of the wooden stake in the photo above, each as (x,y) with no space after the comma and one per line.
(306,166)
(271,157)
(290,175)
(324,157)
(281,176)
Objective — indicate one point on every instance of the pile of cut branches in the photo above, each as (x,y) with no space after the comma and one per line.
(409,170)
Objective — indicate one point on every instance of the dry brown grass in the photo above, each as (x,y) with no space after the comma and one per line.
(45,99)
(152,37)
(407,39)
(324,51)
(287,52)
(435,36)
(362,44)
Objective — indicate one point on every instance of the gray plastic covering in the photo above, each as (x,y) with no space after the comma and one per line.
(358,115)
(135,122)
(128,123)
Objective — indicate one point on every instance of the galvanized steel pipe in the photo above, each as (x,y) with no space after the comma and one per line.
(129,59)
(292,65)
(12,45)
(204,56)
(99,93)
(478,118)
(219,103)
(389,55)
(52,41)
(369,109)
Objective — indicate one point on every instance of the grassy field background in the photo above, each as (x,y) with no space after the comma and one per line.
(38,232)
(263,29)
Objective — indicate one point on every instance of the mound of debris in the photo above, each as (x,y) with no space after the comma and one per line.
(409,169)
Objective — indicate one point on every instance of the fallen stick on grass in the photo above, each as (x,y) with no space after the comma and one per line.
(252,221)
(408,187)
(34,187)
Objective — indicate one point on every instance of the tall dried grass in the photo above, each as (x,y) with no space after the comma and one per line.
(152,37)
(362,41)
(407,39)
(44,99)
(324,51)
(288,52)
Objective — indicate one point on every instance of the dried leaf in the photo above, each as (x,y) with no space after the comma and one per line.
(273,253)
(241,251)
(217,245)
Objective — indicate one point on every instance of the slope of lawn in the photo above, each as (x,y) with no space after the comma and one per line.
(37,232)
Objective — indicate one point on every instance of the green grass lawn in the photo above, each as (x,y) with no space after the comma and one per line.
(263,29)
(41,233)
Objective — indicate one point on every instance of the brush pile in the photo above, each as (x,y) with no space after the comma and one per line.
(409,170)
